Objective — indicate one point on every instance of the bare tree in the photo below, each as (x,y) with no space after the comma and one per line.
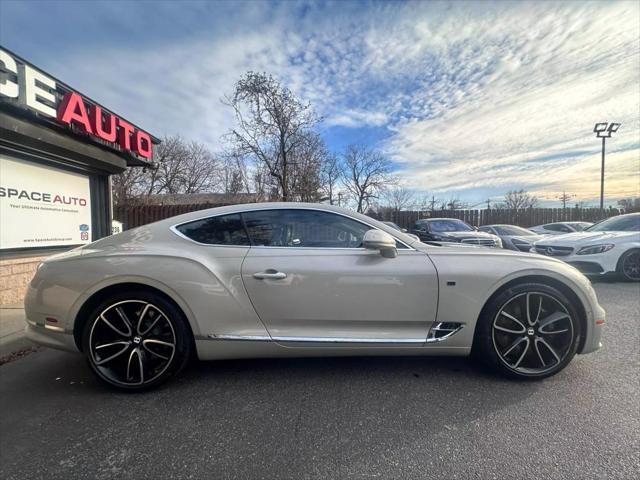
(399,198)
(181,168)
(366,174)
(170,155)
(565,197)
(233,176)
(307,159)
(454,203)
(330,176)
(271,122)
(519,199)
(127,185)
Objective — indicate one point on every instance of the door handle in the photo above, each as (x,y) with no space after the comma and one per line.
(270,274)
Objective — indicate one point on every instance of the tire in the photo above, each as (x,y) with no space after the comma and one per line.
(135,341)
(628,268)
(528,348)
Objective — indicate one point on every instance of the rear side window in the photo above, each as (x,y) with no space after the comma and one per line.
(221,230)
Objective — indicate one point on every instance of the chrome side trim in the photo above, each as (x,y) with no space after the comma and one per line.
(244,338)
(264,338)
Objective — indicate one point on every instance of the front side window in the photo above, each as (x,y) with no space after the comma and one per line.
(304,229)
(220,230)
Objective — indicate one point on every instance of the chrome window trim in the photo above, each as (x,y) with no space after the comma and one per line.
(174,229)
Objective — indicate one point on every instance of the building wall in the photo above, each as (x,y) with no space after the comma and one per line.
(15,275)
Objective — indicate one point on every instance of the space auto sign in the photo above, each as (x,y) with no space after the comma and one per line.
(42,206)
(27,87)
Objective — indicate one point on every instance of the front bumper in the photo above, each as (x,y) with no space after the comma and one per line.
(44,335)
(593,335)
(593,265)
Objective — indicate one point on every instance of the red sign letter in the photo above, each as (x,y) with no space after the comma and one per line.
(72,110)
(142,143)
(95,113)
(125,134)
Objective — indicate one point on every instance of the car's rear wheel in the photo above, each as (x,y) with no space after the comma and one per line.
(629,266)
(135,341)
(528,331)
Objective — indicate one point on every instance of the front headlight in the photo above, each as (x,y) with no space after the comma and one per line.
(593,249)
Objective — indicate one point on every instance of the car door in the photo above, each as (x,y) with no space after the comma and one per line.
(310,279)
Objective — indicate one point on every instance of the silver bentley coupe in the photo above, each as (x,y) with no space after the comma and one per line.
(299,280)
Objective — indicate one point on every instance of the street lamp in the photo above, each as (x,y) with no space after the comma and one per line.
(604,131)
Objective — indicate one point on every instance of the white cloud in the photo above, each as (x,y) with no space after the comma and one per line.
(355,119)
(471,95)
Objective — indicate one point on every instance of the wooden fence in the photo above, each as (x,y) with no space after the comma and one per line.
(525,217)
(134,216)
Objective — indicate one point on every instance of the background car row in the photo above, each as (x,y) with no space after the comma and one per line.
(609,247)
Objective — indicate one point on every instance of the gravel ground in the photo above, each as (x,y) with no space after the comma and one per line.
(333,418)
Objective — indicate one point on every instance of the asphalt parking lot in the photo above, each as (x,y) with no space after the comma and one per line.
(333,418)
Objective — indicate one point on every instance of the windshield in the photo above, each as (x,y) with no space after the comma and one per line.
(580,226)
(512,230)
(623,223)
(449,226)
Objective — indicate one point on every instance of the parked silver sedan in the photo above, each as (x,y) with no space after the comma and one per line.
(513,237)
(291,280)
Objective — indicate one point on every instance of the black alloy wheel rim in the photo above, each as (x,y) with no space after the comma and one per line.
(532,333)
(631,266)
(132,343)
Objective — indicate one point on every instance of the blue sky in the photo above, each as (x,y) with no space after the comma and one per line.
(467,99)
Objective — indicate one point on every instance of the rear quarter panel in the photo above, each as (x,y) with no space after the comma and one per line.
(206,285)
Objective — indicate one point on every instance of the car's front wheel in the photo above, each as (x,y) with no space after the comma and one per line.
(629,266)
(528,331)
(135,341)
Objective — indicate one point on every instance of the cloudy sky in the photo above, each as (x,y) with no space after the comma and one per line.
(467,99)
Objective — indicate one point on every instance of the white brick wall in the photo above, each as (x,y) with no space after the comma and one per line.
(15,275)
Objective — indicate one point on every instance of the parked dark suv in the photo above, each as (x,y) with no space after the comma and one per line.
(453,230)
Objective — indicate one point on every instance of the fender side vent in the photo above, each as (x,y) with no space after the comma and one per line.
(442,330)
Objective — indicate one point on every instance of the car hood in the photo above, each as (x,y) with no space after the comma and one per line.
(525,238)
(588,238)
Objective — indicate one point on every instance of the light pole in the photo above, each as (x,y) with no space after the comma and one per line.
(604,131)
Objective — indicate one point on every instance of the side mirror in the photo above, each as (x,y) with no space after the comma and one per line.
(382,241)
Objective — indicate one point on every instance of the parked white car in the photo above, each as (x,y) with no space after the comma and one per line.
(560,228)
(611,246)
